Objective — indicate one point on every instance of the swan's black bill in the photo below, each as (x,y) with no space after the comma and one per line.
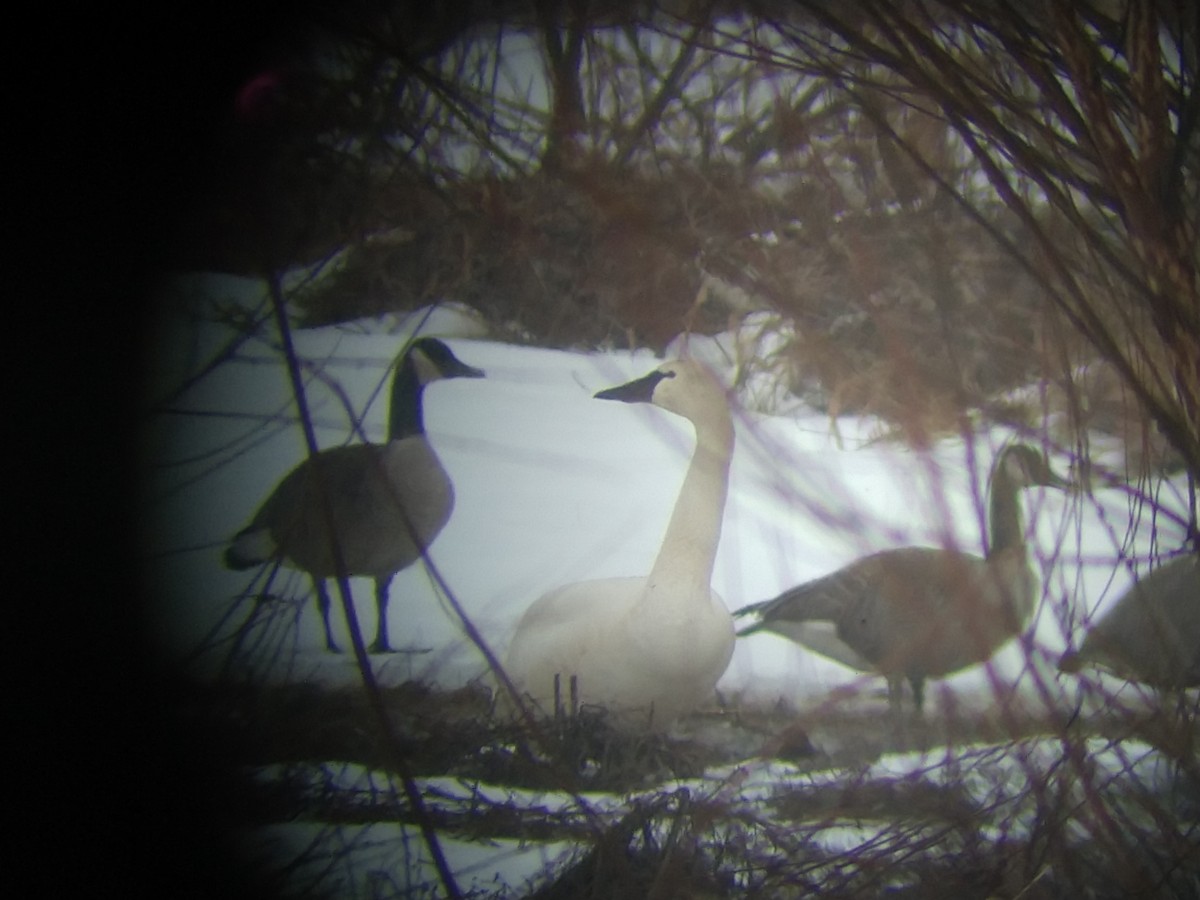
(640,390)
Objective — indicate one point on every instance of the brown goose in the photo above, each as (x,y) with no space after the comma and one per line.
(388,501)
(1152,633)
(921,612)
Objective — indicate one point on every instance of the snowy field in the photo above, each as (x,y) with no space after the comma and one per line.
(554,487)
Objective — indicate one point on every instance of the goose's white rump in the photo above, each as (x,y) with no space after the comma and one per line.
(649,648)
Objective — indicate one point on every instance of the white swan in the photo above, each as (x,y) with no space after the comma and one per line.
(922,612)
(388,501)
(647,649)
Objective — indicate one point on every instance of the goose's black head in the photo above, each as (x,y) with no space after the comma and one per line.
(1024,466)
(424,361)
(431,359)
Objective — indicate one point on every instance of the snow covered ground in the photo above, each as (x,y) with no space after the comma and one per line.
(987,788)
(554,487)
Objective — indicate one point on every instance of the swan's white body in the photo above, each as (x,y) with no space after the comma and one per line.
(649,648)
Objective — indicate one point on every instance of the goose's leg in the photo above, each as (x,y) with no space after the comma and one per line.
(918,689)
(895,686)
(920,736)
(381,644)
(323,604)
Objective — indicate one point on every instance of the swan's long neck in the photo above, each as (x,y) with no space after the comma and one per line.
(689,548)
(1005,527)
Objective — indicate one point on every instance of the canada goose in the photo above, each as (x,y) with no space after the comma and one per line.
(921,612)
(651,648)
(1152,633)
(388,501)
